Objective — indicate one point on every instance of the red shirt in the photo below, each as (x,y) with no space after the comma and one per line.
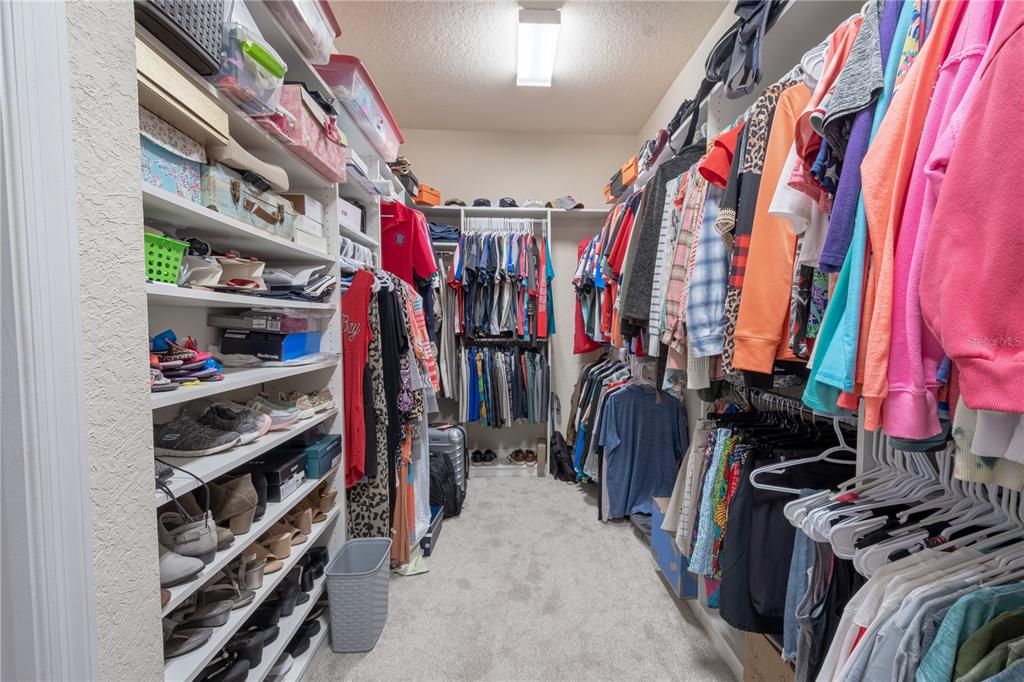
(715,166)
(405,242)
(355,346)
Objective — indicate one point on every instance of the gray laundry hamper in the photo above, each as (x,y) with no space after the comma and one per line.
(357,587)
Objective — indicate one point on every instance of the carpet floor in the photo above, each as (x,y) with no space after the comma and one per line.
(528,585)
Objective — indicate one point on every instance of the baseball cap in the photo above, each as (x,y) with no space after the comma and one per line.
(481,202)
(533,203)
(508,202)
(455,202)
(566,202)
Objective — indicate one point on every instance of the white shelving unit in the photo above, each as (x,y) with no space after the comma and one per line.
(211,466)
(185,310)
(288,627)
(302,662)
(238,378)
(186,668)
(160,293)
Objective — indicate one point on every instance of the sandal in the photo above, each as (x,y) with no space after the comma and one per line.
(210,615)
(225,668)
(301,519)
(227,589)
(295,536)
(179,641)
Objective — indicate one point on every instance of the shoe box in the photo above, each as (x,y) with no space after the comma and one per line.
(285,472)
(270,346)
(319,456)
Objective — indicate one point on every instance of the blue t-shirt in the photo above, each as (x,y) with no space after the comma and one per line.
(644,438)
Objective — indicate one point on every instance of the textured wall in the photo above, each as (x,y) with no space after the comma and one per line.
(114,338)
(471,164)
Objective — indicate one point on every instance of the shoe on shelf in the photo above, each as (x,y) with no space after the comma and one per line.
(228,416)
(322,400)
(226,587)
(165,597)
(179,641)
(283,527)
(225,667)
(185,437)
(233,502)
(210,615)
(248,570)
(476,458)
(282,666)
(530,458)
(490,457)
(158,383)
(176,569)
(186,537)
(292,401)
(280,418)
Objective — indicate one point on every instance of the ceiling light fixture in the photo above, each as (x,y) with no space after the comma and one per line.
(538,43)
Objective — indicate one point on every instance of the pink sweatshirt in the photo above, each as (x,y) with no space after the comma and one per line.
(910,409)
(973,271)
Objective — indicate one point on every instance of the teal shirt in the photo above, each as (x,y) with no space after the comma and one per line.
(835,360)
(967,615)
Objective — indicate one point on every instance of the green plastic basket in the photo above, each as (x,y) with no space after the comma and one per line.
(163,258)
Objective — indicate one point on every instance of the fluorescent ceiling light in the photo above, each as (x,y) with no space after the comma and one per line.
(538,43)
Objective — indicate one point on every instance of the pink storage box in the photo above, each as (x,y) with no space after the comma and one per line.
(351,83)
(309,132)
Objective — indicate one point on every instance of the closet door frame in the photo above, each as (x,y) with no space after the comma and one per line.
(48,616)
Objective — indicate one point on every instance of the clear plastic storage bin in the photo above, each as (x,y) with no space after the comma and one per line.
(352,85)
(251,72)
(304,21)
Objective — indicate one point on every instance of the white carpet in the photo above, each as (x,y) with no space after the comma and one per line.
(528,585)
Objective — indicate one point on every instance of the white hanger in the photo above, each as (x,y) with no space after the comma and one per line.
(822,457)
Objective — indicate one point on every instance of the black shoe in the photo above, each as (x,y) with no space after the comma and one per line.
(489,457)
(476,458)
(259,481)
(268,613)
(226,668)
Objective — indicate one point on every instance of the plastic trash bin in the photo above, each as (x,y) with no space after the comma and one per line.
(357,588)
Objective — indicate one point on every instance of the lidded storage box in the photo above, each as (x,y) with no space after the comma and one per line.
(309,132)
(224,190)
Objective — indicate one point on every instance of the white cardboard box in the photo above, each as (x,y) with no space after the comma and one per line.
(311,241)
(350,216)
(310,214)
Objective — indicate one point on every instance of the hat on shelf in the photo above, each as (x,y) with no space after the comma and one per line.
(533,203)
(455,202)
(567,202)
(508,202)
(481,202)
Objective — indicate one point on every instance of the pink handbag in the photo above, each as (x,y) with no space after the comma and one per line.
(309,132)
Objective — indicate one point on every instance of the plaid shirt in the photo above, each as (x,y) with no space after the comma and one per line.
(696,190)
(705,304)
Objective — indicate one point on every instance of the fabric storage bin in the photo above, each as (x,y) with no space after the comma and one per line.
(251,72)
(357,590)
(190,28)
(351,83)
(304,21)
(428,196)
(309,132)
(175,98)
(239,271)
(171,160)
(223,190)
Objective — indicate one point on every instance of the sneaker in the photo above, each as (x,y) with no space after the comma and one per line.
(489,458)
(292,401)
(322,400)
(183,436)
(518,457)
(476,458)
(242,421)
(197,408)
(530,458)
(280,418)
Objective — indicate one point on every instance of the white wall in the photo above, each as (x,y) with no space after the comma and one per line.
(469,164)
(114,339)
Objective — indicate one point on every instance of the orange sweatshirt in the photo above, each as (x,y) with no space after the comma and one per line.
(885,174)
(763,321)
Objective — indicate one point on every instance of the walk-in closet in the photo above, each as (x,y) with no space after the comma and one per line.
(456,340)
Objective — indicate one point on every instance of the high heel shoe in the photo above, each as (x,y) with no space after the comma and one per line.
(259,482)
(267,614)
(301,519)
(227,588)
(186,537)
(272,552)
(287,594)
(234,502)
(296,536)
(225,668)
(249,570)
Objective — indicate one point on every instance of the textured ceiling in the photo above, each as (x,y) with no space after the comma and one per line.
(452,65)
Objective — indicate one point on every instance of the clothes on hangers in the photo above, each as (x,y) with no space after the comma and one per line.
(405,242)
(501,386)
(502,274)
(832,220)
